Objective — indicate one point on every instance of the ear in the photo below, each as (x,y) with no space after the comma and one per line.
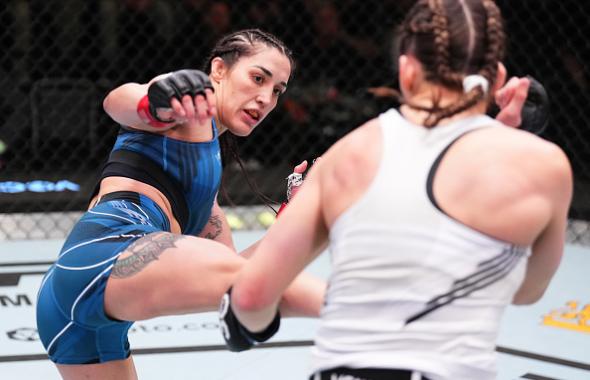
(408,74)
(218,69)
(501,76)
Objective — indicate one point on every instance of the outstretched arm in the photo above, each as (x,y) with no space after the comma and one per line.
(289,246)
(249,310)
(121,105)
(297,294)
(166,101)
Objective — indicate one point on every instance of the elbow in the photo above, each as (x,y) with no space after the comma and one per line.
(107,103)
(527,297)
(524,301)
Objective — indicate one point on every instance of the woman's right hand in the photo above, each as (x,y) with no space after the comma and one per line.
(182,96)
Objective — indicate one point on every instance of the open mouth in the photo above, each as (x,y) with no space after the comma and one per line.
(255,115)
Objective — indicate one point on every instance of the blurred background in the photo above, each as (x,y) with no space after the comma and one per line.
(60,58)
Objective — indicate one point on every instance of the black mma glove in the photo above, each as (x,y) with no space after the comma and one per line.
(535,111)
(176,85)
(237,337)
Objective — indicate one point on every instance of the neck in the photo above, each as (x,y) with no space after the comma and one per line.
(220,127)
(218,91)
(192,131)
(428,95)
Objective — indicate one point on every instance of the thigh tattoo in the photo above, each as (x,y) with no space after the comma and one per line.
(143,252)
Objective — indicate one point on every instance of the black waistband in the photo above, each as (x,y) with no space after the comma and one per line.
(365,374)
(130,196)
(126,163)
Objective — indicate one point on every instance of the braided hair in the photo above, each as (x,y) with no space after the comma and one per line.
(243,44)
(453,39)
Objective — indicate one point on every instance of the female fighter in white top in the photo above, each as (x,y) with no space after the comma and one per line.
(436,217)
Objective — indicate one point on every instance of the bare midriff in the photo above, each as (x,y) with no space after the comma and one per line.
(113,184)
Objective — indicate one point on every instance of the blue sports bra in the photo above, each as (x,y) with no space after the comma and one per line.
(187,173)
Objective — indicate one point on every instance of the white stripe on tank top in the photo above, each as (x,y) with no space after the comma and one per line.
(412,288)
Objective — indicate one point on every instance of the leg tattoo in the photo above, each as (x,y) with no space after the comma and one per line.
(143,252)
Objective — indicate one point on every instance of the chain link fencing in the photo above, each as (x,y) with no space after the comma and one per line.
(61,57)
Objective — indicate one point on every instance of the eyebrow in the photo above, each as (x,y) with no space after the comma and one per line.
(269,74)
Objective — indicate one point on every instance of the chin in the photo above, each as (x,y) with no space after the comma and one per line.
(241,131)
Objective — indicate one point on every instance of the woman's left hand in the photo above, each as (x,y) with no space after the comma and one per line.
(295,180)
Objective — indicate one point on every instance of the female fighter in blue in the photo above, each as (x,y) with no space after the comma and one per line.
(155,241)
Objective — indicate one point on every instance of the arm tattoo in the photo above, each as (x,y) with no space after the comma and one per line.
(143,252)
(215,221)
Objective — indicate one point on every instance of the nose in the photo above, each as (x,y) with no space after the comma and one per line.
(264,98)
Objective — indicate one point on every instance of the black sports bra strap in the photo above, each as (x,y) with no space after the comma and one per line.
(434,168)
(127,163)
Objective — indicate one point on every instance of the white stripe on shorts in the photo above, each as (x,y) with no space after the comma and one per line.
(90,266)
(99,239)
(113,215)
(86,289)
(58,335)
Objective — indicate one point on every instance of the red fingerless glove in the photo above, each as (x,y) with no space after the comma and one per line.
(143,110)
(283,206)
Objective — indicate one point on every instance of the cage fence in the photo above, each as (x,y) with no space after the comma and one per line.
(61,57)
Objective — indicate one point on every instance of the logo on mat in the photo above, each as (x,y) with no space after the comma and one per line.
(18,300)
(26,334)
(574,316)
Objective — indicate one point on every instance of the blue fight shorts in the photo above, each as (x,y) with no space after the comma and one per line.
(71,320)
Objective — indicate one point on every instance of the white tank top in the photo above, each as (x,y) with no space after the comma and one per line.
(412,288)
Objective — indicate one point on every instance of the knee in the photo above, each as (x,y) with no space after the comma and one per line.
(233,264)
(226,272)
